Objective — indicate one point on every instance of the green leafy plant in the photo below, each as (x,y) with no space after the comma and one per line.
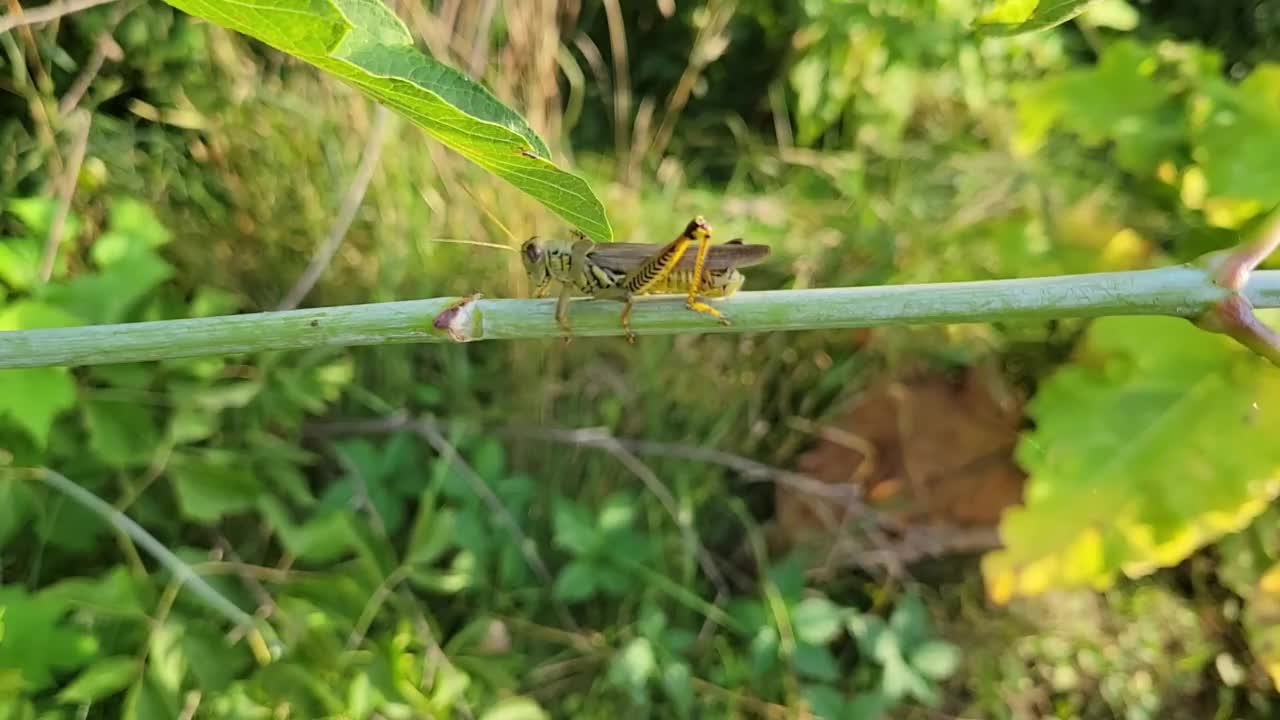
(602,549)
(1151,445)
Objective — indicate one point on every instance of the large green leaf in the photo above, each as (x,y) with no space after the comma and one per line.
(365,44)
(1158,439)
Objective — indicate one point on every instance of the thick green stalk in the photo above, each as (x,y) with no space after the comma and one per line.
(1184,291)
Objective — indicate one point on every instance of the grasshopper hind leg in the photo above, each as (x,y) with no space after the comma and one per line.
(696,304)
(693,302)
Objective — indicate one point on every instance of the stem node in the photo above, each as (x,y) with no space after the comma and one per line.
(458,319)
(1233,316)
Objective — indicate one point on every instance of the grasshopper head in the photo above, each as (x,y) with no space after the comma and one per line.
(533,254)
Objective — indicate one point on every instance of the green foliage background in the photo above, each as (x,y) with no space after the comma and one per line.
(473,564)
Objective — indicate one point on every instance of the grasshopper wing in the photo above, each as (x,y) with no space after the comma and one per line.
(625,257)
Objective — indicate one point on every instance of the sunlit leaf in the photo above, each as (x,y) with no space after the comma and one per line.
(137,220)
(20,262)
(121,434)
(909,620)
(1113,14)
(1119,101)
(617,513)
(764,651)
(103,678)
(213,660)
(146,701)
(825,701)
(210,486)
(574,530)
(677,683)
(365,44)
(577,581)
(516,708)
(319,539)
(432,535)
(1237,139)
(817,620)
(815,661)
(31,314)
(450,683)
(633,665)
(900,681)
(37,642)
(935,659)
(1158,439)
(210,301)
(110,295)
(1016,17)
(32,398)
(116,593)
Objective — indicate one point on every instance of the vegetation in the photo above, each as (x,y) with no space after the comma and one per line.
(1025,517)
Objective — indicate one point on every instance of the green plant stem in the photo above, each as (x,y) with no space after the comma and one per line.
(1183,291)
(183,572)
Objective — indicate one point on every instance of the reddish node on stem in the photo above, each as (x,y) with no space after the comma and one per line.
(455,320)
(1231,268)
(1233,316)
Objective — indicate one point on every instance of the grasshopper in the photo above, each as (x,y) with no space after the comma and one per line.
(622,271)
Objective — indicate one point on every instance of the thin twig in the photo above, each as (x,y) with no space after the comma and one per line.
(266,603)
(347,213)
(81,121)
(762,708)
(374,604)
(257,572)
(103,48)
(46,13)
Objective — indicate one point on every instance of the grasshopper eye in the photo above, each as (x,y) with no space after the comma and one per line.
(531,250)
